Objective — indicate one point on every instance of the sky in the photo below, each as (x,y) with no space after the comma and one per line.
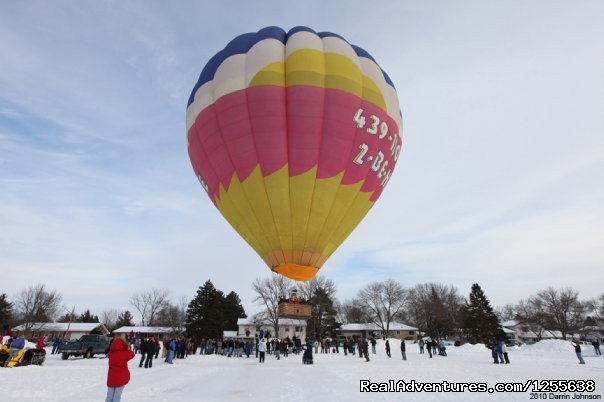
(499,181)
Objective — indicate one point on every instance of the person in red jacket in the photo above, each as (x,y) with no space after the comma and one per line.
(40,344)
(118,375)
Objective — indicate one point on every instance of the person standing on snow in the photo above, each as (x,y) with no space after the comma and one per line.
(403,349)
(388,348)
(373,342)
(366,349)
(118,374)
(578,351)
(262,349)
(493,348)
(499,350)
(55,345)
(171,351)
(504,351)
(142,347)
(150,349)
(277,349)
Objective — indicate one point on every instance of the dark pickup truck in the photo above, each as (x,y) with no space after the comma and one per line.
(87,346)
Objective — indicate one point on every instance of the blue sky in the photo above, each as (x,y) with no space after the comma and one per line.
(499,182)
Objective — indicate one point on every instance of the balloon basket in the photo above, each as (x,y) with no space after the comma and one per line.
(294,310)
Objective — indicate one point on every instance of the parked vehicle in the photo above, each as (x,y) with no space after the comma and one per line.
(87,346)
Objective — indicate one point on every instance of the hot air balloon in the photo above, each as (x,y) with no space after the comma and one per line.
(293,135)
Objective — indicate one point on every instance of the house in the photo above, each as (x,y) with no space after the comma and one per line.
(593,332)
(518,332)
(288,327)
(369,330)
(64,330)
(158,332)
(510,334)
(551,334)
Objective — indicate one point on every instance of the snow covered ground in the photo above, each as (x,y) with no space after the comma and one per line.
(333,377)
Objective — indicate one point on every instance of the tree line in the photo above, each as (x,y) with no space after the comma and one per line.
(437,310)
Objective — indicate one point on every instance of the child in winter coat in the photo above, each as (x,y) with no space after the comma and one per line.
(118,375)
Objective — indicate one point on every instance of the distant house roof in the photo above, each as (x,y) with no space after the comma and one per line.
(510,323)
(526,334)
(549,334)
(65,327)
(148,330)
(394,326)
(282,321)
(508,331)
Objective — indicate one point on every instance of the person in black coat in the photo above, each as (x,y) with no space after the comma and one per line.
(150,349)
(403,349)
(366,349)
(143,349)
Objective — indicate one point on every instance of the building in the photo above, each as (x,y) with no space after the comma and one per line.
(552,334)
(519,333)
(64,330)
(158,332)
(369,330)
(288,327)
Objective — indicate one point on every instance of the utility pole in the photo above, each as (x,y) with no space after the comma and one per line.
(69,324)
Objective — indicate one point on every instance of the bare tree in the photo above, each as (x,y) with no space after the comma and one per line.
(173,315)
(307,289)
(561,308)
(109,318)
(268,292)
(36,304)
(505,313)
(531,312)
(148,303)
(600,307)
(383,301)
(434,308)
(351,311)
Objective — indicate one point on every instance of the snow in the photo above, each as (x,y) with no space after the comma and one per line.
(332,377)
(555,346)
(479,347)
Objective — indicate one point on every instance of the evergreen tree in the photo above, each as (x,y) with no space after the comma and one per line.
(68,317)
(479,320)
(323,315)
(125,319)
(205,313)
(6,311)
(232,310)
(87,316)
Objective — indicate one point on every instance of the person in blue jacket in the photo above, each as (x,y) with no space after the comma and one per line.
(171,351)
(499,351)
(56,345)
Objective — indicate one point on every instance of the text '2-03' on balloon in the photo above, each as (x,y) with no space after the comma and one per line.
(294,136)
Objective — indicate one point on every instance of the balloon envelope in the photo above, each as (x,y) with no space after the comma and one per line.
(293,135)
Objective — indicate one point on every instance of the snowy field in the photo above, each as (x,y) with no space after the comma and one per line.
(333,377)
